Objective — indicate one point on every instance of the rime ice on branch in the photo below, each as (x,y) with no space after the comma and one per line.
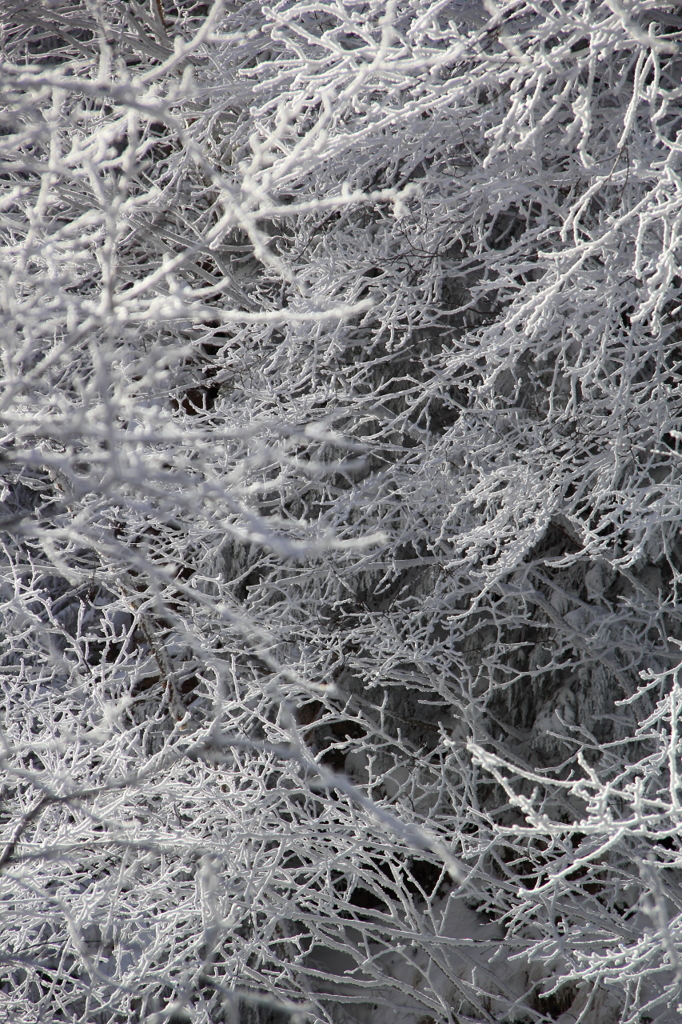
(340,545)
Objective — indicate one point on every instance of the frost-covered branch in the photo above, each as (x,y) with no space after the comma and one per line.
(339,535)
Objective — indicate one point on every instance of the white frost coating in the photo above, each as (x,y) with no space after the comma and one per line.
(340,433)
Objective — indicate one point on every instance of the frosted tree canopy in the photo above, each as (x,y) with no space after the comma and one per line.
(340,512)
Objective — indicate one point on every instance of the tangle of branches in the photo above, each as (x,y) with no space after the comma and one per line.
(340,548)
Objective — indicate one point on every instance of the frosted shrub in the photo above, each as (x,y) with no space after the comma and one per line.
(341,428)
